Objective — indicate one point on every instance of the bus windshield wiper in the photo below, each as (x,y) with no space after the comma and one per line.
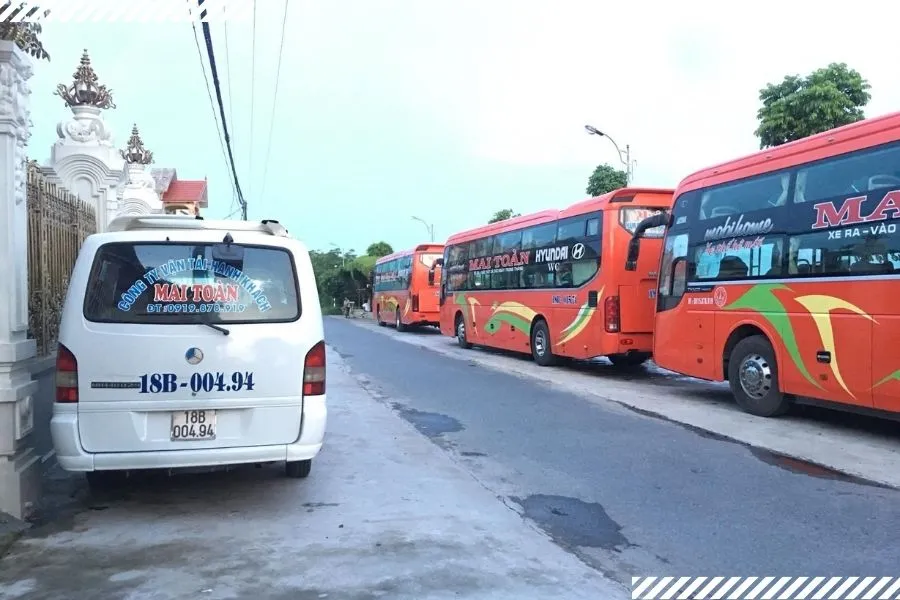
(216,327)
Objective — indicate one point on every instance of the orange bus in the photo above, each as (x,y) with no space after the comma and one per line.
(405,288)
(552,283)
(780,271)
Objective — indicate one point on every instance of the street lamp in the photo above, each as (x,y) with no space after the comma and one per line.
(625,157)
(429,228)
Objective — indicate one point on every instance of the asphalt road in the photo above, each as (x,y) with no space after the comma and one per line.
(628,493)
(384,514)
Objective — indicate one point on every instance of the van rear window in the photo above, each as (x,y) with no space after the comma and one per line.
(171,283)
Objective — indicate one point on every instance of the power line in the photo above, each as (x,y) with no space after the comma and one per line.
(252,94)
(215,76)
(274,101)
(228,72)
(212,105)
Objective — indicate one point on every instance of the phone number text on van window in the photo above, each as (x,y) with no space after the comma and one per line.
(191,307)
(166,383)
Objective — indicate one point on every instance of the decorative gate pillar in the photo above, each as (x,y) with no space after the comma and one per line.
(139,195)
(84,160)
(19,462)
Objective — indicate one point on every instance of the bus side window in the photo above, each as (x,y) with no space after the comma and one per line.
(571,229)
(858,173)
(820,254)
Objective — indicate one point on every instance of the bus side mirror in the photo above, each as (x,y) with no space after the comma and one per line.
(437,263)
(634,244)
(634,251)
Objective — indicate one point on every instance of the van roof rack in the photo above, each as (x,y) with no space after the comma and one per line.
(139,222)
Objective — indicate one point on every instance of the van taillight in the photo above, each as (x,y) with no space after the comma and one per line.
(611,314)
(66,376)
(415,303)
(314,371)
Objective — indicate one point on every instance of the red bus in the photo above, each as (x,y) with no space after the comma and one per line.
(781,273)
(405,288)
(552,283)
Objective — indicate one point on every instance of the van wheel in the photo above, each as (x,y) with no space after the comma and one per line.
(461,333)
(540,344)
(753,377)
(399,322)
(298,469)
(627,361)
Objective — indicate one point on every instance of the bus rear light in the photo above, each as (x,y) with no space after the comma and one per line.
(66,376)
(314,371)
(415,303)
(611,314)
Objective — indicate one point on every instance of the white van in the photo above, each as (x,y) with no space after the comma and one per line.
(189,343)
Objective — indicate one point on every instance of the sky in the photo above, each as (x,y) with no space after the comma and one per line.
(450,111)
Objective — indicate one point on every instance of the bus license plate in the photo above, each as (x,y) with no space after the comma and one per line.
(192,425)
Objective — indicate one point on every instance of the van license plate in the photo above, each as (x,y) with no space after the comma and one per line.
(191,425)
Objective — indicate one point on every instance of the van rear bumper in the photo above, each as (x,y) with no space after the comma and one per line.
(72,457)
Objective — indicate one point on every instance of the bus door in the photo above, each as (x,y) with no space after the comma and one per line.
(637,289)
(428,291)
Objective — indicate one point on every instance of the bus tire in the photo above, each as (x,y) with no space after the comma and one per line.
(540,344)
(460,328)
(398,322)
(753,377)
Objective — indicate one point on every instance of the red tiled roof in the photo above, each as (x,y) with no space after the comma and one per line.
(186,191)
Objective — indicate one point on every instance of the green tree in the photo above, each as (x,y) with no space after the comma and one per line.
(24,34)
(802,106)
(379,249)
(605,179)
(502,215)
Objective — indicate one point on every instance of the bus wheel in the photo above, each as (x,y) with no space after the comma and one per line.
(540,344)
(399,322)
(753,376)
(461,332)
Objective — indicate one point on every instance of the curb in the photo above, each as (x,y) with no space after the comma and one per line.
(11,529)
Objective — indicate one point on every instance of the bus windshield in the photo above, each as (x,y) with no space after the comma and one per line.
(428,259)
(631,216)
